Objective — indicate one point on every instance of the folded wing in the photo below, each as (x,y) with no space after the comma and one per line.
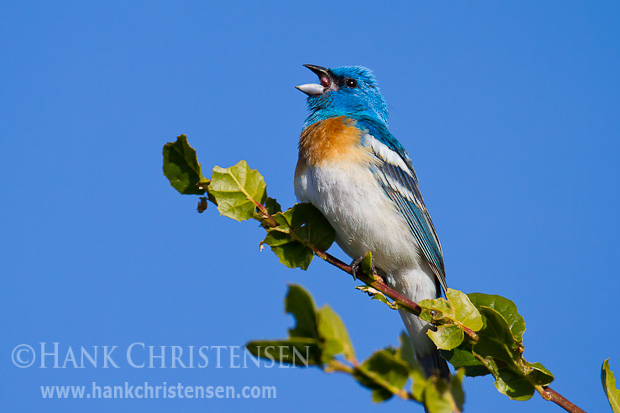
(394,170)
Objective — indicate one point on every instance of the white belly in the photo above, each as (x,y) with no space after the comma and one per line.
(365,220)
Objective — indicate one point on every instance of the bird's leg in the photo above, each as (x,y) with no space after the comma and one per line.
(355,267)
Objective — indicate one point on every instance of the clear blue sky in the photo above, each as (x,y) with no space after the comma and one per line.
(509,110)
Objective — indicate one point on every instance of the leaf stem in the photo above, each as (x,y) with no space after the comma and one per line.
(265,214)
(336,365)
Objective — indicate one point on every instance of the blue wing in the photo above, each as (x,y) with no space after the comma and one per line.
(398,179)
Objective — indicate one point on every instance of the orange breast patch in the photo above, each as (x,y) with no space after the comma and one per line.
(332,140)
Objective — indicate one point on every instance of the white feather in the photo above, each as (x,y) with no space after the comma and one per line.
(385,153)
(397,186)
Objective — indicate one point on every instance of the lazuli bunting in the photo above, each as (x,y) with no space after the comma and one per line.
(361,178)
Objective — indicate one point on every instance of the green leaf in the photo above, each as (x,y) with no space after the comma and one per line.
(609,386)
(500,348)
(436,396)
(272,206)
(513,384)
(447,338)
(334,334)
(539,375)
(309,224)
(237,190)
(406,353)
(434,401)
(181,167)
(505,307)
(443,397)
(366,264)
(299,303)
(457,308)
(434,310)
(501,354)
(495,339)
(383,372)
(304,347)
(380,395)
(292,253)
(461,357)
(456,389)
(464,311)
(298,228)
(298,351)
(377,295)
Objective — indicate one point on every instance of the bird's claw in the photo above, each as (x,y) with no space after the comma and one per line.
(355,267)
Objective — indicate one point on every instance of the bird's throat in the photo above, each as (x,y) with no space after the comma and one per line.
(332,140)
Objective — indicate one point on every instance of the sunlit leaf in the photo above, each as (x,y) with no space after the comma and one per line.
(464,311)
(237,190)
(377,295)
(447,337)
(436,309)
(366,264)
(609,386)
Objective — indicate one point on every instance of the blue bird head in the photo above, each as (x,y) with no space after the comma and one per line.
(344,91)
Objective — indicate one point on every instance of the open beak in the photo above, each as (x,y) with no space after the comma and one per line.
(313,89)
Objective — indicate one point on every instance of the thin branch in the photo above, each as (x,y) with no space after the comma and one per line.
(549,394)
(375,281)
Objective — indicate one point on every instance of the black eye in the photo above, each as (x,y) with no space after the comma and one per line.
(350,82)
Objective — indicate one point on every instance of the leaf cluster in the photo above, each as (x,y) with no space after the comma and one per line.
(320,339)
(478,334)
